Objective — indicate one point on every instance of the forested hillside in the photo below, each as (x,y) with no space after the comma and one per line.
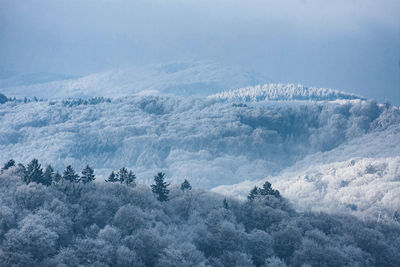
(338,156)
(49,219)
(211,142)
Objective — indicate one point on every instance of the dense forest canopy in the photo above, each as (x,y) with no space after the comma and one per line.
(74,221)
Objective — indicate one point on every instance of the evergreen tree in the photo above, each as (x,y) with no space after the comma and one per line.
(48,175)
(130,179)
(122,175)
(70,175)
(267,190)
(186,185)
(112,178)
(9,164)
(87,175)
(253,193)
(3,99)
(160,187)
(34,172)
(21,170)
(57,177)
(225,204)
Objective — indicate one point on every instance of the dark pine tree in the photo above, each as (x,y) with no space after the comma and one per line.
(186,185)
(225,204)
(253,193)
(267,190)
(160,187)
(87,175)
(3,99)
(9,164)
(21,170)
(130,179)
(48,175)
(57,177)
(70,175)
(112,178)
(33,172)
(122,175)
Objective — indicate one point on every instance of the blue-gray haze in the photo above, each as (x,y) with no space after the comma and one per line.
(350,45)
(96,179)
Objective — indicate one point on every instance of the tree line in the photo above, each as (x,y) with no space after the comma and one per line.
(34,172)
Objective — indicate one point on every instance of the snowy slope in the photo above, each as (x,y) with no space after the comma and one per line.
(286,92)
(361,177)
(185,78)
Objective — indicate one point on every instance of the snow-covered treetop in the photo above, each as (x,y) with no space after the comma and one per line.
(282,92)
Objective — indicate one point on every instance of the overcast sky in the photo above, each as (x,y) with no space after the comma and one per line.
(353,45)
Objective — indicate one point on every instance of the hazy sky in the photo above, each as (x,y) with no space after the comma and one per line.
(353,45)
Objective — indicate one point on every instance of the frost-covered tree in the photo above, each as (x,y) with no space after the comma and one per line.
(160,187)
(33,172)
(286,241)
(9,164)
(48,175)
(276,262)
(87,175)
(259,246)
(70,175)
(186,185)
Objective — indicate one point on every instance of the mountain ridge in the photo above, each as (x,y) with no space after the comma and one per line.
(286,92)
(179,78)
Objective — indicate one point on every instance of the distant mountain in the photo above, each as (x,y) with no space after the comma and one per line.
(272,92)
(13,79)
(183,79)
